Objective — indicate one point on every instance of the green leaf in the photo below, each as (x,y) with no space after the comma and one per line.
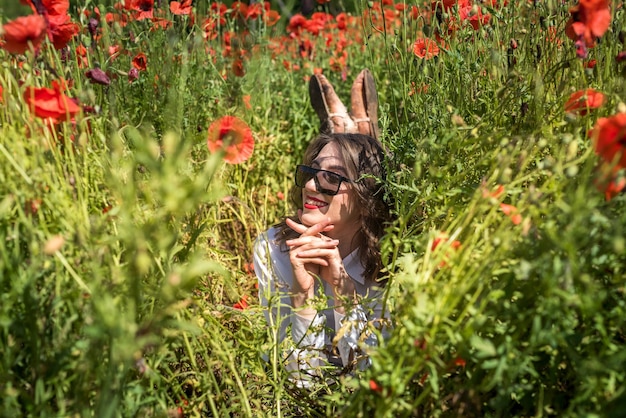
(484,348)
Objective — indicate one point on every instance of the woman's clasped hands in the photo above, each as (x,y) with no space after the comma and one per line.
(313,255)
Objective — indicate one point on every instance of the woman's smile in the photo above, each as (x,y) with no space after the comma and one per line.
(313,203)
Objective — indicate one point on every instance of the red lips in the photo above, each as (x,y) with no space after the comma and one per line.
(313,203)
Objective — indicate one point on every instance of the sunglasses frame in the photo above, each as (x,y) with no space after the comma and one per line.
(313,172)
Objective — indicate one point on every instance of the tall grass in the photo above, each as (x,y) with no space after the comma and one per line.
(125,244)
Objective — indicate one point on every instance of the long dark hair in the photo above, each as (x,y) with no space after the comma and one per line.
(363,157)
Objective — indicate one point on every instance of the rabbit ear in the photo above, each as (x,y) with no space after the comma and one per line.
(364,104)
(329,108)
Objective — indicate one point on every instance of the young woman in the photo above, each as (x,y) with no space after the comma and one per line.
(318,270)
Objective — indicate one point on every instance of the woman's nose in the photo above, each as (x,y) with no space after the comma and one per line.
(311,185)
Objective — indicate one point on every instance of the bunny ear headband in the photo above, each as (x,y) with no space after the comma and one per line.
(334,117)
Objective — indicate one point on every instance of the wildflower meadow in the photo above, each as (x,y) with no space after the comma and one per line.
(145,144)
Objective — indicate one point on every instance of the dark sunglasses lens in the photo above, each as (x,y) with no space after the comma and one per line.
(325,182)
(303,175)
(331,178)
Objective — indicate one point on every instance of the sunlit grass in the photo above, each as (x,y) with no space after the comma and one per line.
(125,245)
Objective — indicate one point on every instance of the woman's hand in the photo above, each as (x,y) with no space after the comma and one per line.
(314,254)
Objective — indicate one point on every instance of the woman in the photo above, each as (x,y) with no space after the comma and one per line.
(318,270)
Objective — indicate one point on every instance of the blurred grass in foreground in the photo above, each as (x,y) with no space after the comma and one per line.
(125,244)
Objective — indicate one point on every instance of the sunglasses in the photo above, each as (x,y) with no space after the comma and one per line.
(326,182)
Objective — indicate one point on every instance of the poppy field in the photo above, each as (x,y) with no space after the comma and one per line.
(145,144)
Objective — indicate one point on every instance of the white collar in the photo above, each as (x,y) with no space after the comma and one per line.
(352,264)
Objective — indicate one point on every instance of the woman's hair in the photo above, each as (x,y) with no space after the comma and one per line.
(363,157)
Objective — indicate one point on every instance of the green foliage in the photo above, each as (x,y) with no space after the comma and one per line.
(124,243)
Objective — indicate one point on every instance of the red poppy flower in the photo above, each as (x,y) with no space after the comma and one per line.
(61,30)
(242,304)
(442,237)
(449,4)
(375,387)
(180,8)
(114,51)
(425,48)
(583,100)
(614,188)
(81,51)
(50,103)
(21,33)
(31,206)
(314,26)
(589,20)
(342,21)
(140,62)
(512,212)
(421,89)
(459,362)
(420,343)
(249,268)
(253,11)
(219,8)
(81,56)
(239,9)
(611,184)
(609,137)
(474,16)
(237,67)
(49,7)
(232,135)
(119,18)
(296,23)
(144,9)
(495,194)
(271,17)
(246,101)
(159,23)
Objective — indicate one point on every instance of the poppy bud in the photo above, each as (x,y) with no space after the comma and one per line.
(96,75)
(581,49)
(133,75)
(93,26)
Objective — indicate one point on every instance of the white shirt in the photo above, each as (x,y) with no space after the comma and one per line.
(314,333)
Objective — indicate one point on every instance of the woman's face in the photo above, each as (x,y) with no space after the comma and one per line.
(341,208)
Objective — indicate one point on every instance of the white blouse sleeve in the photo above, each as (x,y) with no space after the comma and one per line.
(273,270)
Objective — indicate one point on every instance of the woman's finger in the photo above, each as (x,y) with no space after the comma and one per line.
(326,253)
(312,260)
(314,241)
(304,230)
(312,230)
(299,228)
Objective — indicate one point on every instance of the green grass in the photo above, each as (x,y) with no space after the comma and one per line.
(130,312)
